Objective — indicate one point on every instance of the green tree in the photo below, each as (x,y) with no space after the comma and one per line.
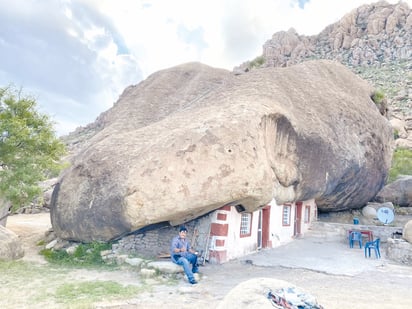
(30,152)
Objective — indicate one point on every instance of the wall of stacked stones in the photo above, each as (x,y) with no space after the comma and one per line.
(156,240)
(340,230)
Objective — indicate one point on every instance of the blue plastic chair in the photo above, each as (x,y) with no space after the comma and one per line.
(373,245)
(355,236)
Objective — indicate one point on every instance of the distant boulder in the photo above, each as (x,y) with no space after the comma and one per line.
(10,245)
(369,212)
(192,138)
(398,192)
(407,231)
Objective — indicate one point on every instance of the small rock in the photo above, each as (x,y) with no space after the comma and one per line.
(51,244)
(134,261)
(166,267)
(120,259)
(72,249)
(147,273)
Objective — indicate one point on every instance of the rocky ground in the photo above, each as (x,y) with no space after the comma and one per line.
(352,282)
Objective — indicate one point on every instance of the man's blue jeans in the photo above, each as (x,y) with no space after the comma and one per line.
(190,258)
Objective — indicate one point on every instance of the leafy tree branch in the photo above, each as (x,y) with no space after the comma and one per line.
(30,152)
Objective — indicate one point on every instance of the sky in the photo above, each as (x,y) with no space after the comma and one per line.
(75,57)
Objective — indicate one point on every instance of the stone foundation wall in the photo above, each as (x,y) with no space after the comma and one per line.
(396,249)
(156,241)
(334,231)
(399,250)
(147,244)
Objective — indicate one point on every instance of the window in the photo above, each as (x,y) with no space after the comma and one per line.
(307,214)
(246,224)
(286,215)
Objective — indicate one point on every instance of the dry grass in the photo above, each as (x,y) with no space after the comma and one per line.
(29,285)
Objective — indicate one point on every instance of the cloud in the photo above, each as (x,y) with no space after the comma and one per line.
(192,37)
(74,58)
(77,56)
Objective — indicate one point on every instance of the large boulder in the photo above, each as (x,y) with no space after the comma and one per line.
(192,138)
(398,192)
(407,231)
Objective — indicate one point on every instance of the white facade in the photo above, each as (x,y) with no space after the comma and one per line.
(281,233)
(273,225)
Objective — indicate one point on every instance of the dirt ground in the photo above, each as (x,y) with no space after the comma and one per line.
(387,286)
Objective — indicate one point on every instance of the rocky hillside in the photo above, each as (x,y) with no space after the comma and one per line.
(374,40)
(371,35)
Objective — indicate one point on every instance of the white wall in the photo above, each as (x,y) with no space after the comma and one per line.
(313,214)
(239,246)
(279,234)
(236,246)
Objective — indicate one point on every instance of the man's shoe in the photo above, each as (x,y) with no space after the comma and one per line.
(195,270)
(192,281)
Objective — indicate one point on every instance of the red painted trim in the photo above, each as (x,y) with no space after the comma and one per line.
(297,230)
(227,207)
(220,242)
(217,229)
(221,217)
(217,257)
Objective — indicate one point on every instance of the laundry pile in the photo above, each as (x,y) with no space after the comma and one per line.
(292,298)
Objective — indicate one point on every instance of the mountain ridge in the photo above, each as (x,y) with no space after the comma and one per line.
(372,36)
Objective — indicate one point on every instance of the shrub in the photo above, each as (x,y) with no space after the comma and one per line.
(84,255)
(257,62)
(378,97)
(395,134)
(401,163)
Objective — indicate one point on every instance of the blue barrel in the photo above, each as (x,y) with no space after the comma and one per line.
(355,221)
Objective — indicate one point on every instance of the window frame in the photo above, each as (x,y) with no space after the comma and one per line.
(242,224)
(286,214)
(306,217)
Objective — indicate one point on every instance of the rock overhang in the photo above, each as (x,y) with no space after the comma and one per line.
(262,135)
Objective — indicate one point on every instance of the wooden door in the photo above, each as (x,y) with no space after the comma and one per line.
(297,230)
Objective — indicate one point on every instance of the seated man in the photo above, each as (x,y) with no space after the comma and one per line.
(183,254)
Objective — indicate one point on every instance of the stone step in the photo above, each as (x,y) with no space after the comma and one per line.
(326,231)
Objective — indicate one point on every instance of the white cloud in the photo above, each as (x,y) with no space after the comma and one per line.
(72,58)
(79,55)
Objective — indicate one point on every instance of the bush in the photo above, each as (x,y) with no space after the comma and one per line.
(257,62)
(401,164)
(378,97)
(395,134)
(84,255)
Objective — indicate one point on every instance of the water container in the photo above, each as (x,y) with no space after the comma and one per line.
(355,221)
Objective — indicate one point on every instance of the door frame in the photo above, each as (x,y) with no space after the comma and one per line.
(297,229)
